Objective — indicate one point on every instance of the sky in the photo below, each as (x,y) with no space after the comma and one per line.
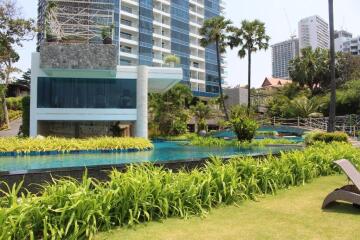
(280,16)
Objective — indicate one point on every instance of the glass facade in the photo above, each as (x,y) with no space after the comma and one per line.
(180,38)
(86,93)
(212,9)
(145,32)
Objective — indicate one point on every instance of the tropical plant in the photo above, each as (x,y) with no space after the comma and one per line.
(107,33)
(304,107)
(251,37)
(317,136)
(169,112)
(242,123)
(64,145)
(172,60)
(215,31)
(72,209)
(201,112)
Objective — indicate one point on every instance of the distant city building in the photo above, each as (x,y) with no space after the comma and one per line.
(282,54)
(145,32)
(236,96)
(314,33)
(344,42)
(340,38)
(271,83)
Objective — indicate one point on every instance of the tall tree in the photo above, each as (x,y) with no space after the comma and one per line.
(13,30)
(311,69)
(215,31)
(332,112)
(169,111)
(201,112)
(25,78)
(251,37)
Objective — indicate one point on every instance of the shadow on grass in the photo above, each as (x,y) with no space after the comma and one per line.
(341,207)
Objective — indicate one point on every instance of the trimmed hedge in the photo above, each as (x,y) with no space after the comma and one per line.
(25,127)
(68,209)
(313,137)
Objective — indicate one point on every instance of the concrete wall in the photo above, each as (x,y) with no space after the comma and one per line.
(78,56)
(236,96)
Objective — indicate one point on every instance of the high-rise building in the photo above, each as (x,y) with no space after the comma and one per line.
(145,32)
(341,37)
(282,54)
(344,42)
(314,33)
(352,46)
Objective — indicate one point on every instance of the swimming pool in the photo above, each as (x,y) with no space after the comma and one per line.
(162,152)
(292,133)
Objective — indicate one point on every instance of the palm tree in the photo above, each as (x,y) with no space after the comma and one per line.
(332,113)
(201,112)
(251,37)
(214,31)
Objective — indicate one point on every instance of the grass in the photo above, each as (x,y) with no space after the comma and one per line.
(291,214)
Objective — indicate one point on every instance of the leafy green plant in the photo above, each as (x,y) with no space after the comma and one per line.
(25,127)
(14,103)
(202,112)
(71,209)
(266,133)
(316,136)
(107,33)
(242,123)
(63,145)
(212,142)
(172,60)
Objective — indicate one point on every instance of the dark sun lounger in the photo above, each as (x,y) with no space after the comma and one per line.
(349,193)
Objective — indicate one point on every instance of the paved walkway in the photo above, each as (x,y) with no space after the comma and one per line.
(15,126)
(355,142)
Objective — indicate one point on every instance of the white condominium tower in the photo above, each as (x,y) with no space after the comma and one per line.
(282,54)
(146,31)
(314,33)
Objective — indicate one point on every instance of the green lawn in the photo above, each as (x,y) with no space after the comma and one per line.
(291,214)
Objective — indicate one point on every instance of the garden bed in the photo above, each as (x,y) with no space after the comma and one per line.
(51,145)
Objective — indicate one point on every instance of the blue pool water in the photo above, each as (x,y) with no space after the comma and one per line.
(163,151)
(292,133)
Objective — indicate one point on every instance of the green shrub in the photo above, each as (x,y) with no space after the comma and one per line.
(315,136)
(25,127)
(26,145)
(266,133)
(212,142)
(242,123)
(14,103)
(68,209)
(244,128)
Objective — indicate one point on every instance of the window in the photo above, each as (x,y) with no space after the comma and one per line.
(86,93)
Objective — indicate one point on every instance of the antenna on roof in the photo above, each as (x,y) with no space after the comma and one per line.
(292,33)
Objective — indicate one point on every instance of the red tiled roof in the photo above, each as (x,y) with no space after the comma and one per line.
(275,82)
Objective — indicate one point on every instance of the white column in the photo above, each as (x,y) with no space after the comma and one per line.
(35,72)
(141,126)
